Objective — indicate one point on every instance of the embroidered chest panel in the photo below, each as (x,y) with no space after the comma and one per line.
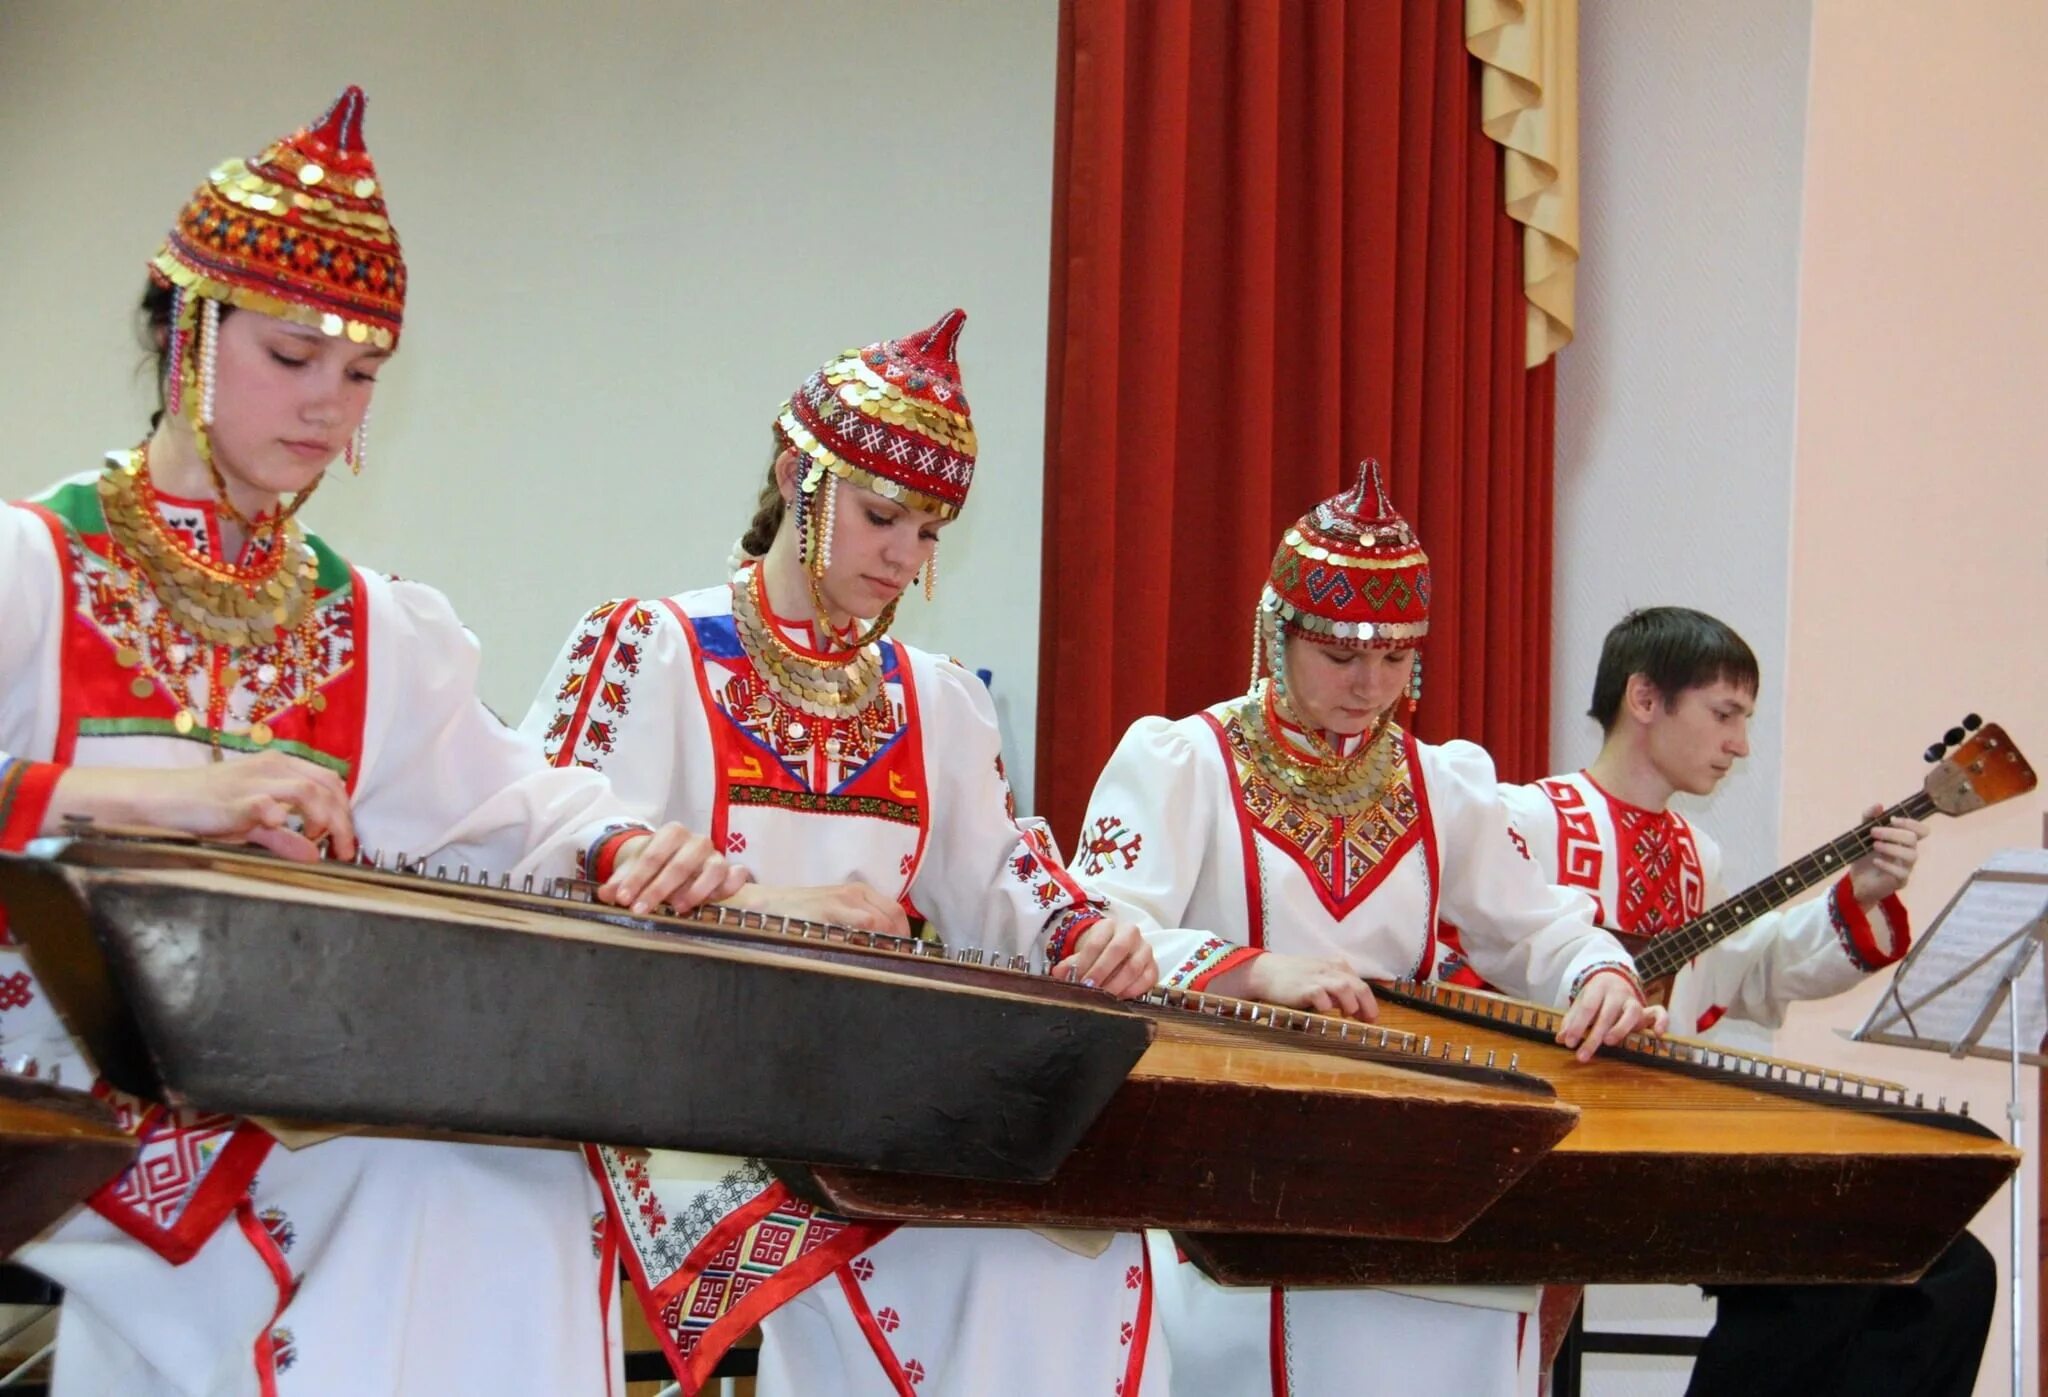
(1659,883)
(774,754)
(130,668)
(1344,857)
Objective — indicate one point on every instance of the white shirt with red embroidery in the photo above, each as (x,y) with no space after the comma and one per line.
(1651,871)
(908,797)
(224,1263)
(1189,838)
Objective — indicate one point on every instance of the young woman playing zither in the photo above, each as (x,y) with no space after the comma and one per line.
(1290,844)
(865,777)
(178,653)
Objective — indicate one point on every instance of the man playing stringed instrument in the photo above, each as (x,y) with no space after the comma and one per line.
(1674,693)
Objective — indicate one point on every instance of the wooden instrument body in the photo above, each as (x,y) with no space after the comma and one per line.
(232,981)
(1217,1128)
(57,1147)
(1676,1172)
(328,995)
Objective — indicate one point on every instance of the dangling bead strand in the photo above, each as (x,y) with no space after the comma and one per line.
(829,489)
(358,449)
(174,367)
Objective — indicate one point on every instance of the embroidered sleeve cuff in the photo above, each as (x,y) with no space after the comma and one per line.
(1212,958)
(1627,972)
(1065,929)
(598,861)
(1867,947)
(25,791)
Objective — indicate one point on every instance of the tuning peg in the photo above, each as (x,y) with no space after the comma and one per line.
(1972,722)
(1953,736)
(1934,753)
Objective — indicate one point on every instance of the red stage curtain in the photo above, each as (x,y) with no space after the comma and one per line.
(1278,248)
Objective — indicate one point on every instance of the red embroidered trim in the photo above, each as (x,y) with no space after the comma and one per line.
(1626,972)
(593,676)
(1134,1369)
(606,856)
(1276,1342)
(1425,820)
(759,1302)
(1227,963)
(1254,902)
(225,1186)
(266,1247)
(892,1366)
(607,1287)
(1581,861)
(1853,930)
(25,791)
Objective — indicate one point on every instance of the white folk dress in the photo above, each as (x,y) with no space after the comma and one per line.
(1186,835)
(223,1264)
(908,797)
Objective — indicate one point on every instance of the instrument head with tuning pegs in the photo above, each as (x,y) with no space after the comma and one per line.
(1984,769)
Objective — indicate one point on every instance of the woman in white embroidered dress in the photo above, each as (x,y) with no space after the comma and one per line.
(141,685)
(867,776)
(1291,844)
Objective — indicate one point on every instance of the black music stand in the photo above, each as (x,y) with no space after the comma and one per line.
(1979,956)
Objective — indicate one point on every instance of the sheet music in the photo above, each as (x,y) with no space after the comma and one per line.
(1939,992)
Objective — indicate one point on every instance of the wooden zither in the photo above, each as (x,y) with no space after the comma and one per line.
(229,981)
(1688,1164)
(1254,1118)
(57,1146)
(226,980)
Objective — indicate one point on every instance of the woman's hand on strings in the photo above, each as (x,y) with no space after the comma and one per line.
(1111,955)
(844,904)
(1301,982)
(674,866)
(280,802)
(1894,849)
(1608,1009)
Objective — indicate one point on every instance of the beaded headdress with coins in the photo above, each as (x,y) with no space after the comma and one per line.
(890,417)
(1350,572)
(299,232)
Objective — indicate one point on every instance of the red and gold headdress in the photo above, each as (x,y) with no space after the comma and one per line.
(891,418)
(1349,572)
(299,232)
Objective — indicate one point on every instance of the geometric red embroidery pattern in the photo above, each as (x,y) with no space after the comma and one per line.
(17,991)
(174,1158)
(1108,843)
(1580,859)
(1659,877)
(1344,858)
(593,703)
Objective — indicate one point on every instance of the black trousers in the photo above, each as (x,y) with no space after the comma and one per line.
(1923,1339)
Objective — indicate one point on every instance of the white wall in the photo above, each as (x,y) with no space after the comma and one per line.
(632,230)
(1920,509)
(1675,411)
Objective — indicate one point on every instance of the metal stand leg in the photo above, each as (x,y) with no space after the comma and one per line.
(2017,1115)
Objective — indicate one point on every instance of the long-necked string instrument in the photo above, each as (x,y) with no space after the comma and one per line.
(1984,768)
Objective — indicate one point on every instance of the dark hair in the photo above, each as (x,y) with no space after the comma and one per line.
(1675,648)
(768,511)
(154,326)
